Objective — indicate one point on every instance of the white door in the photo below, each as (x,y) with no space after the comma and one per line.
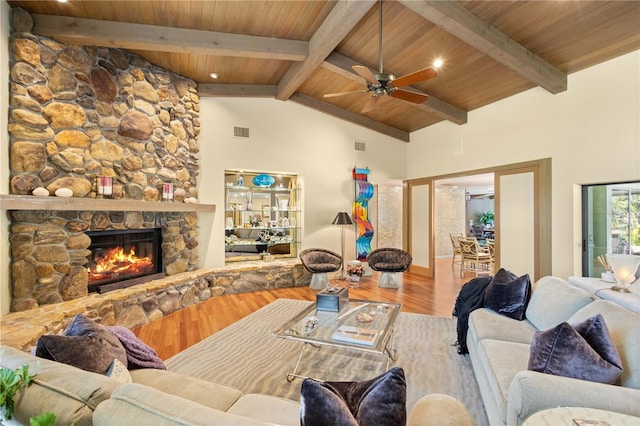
(420,227)
(516,210)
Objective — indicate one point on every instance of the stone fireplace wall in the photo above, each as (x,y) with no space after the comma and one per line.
(79,112)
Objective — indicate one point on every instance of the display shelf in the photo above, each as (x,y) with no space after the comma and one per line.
(252,210)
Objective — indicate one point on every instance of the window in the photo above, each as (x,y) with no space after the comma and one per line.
(610,223)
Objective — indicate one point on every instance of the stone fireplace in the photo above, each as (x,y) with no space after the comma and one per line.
(82,112)
(79,113)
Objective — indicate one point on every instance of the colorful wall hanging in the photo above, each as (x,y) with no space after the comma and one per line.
(363,193)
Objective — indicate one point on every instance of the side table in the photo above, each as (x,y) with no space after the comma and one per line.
(566,416)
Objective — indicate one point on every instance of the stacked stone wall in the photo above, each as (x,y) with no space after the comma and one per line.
(79,112)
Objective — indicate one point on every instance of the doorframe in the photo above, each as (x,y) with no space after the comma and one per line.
(541,170)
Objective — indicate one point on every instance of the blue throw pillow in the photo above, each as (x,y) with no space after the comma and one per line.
(508,294)
(380,401)
(583,351)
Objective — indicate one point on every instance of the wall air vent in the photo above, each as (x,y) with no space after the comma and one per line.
(360,146)
(241,132)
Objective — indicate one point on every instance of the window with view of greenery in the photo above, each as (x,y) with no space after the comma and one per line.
(610,222)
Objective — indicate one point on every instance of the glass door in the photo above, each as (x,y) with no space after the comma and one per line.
(610,223)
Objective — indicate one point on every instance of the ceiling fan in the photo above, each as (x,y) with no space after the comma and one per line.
(382,83)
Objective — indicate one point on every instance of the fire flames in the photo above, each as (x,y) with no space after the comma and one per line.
(116,262)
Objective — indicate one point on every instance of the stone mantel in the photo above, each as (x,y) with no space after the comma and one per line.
(30,202)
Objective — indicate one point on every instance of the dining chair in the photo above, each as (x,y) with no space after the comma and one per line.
(455,245)
(477,231)
(491,246)
(474,258)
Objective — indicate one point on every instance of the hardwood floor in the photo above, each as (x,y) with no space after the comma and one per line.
(175,332)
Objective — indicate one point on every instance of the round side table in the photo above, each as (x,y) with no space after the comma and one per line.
(580,416)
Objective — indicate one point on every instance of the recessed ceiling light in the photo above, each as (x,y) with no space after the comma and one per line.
(62,1)
(437,63)
(214,75)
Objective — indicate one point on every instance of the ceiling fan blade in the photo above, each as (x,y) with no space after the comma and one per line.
(415,77)
(333,95)
(405,95)
(371,104)
(365,73)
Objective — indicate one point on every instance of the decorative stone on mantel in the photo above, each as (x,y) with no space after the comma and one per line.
(140,304)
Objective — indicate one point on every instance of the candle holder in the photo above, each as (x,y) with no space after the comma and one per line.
(167,192)
(104,186)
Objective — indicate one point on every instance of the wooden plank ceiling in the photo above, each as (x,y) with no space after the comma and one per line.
(302,50)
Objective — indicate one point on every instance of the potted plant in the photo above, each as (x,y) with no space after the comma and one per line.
(12,382)
(355,270)
(486,218)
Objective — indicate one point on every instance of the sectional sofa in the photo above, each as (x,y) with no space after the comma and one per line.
(162,398)
(499,349)
(155,397)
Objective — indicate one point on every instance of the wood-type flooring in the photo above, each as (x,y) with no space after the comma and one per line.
(418,294)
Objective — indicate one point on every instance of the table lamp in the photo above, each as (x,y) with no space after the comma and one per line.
(343,220)
(624,268)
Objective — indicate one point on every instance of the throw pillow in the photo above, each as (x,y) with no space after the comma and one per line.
(139,354)
(84,344)
(583,351)
(119,371)
(380,401)
(508,294)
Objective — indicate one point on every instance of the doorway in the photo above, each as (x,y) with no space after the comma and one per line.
(461,203)
(610,223)
(523,232)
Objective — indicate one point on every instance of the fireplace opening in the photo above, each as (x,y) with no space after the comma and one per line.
(120,257)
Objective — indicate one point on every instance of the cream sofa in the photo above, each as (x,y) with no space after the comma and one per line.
(499,352)
(156,397)
(159,398)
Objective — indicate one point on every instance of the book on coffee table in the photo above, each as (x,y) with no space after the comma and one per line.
(357,335)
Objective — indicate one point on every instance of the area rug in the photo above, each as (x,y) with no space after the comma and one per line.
(246,356)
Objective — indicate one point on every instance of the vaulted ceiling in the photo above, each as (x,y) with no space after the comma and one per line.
(301,50)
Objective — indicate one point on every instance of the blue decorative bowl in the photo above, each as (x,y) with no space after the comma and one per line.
(264,181)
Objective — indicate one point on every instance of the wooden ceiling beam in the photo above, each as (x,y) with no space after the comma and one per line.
(349,116)
(342,65)
(95,32)
(267,91)
(237,90)
(466,26)
(344,16)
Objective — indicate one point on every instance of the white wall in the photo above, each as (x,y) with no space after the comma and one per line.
(591,132)
(4,154)
(287,137)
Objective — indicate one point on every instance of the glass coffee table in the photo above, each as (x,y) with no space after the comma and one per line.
(361,325)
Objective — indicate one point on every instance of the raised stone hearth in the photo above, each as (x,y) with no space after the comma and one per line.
(137,305)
